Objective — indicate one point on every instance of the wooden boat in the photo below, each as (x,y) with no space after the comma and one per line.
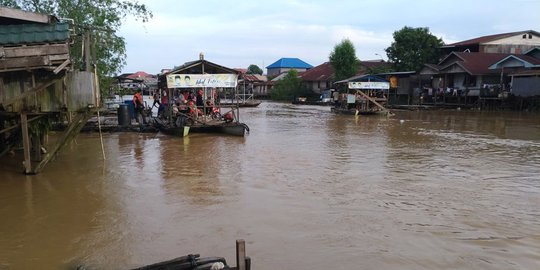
(193,90)
(249,103)
(365,96)
(354,111)
(188,125)
(194,262)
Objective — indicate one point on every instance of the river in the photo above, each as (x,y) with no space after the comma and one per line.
(306,189)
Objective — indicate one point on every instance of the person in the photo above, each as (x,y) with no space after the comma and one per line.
(164,103)
(156,99)
(139,107)
(177,81)
(200,100)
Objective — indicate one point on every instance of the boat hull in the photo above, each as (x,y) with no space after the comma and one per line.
(357,112)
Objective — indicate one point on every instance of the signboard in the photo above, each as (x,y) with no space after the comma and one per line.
(369,85)
(201,80)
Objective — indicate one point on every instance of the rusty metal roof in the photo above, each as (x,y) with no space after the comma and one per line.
(33,33)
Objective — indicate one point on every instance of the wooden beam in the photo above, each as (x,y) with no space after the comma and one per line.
(18,125)
(372,100)
(24,62)
(62,66)
(36,50)
(30,92)
(26,144)
(18,14)
(240,254)
(68,135)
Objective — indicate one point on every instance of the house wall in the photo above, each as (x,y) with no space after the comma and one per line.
(276,71)
(14,84)
(517,44)
(526,86)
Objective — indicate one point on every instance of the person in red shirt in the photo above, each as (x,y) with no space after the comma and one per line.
(139,107)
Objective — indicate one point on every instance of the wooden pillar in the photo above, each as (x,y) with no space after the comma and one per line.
(240,254)
(36,146)
(26,143)
(87,53)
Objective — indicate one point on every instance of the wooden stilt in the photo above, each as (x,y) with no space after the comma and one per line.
(26,143)
(240,254)
(36,146)
(72,130)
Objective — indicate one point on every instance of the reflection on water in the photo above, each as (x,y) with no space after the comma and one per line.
(307,190)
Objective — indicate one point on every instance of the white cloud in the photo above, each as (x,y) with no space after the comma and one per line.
(240,33)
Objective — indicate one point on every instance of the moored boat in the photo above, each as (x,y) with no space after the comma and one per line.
(193,90)
(365,95)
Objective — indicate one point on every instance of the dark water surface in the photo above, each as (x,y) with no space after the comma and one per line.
(306,189)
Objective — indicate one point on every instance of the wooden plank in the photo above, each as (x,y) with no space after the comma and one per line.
(58,57)
(18,125)
(62,66)
(240,254)
(26,144)
(24,62)
(37,50)
(24,15)
(372,100)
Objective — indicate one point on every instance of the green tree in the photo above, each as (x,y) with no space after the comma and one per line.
(343,60)
(254,69)
(289,87)
(102,18)
(412,48)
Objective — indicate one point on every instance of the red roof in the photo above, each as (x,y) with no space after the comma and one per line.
(325,71)
(478,63)
(139,75)
(484,39)
(322,72)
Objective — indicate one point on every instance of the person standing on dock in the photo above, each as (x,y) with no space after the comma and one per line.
(156,99)
(139,107)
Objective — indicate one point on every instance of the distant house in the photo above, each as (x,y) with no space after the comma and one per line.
(480,75)
(252,84)
(322,76)
(138,80)
(524,71)
(513,42)
(285,64)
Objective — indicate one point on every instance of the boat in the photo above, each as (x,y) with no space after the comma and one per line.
(195,262)
(195,105)
(366,95)
(242,104)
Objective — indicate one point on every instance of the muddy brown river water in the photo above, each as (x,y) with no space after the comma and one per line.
(307,189)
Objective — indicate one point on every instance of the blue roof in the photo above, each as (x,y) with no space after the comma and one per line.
(290,63)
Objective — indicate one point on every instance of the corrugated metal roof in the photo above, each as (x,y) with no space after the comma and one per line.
(290,63)
(33,33)
(485,39)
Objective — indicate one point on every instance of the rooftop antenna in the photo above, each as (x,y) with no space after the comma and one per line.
(201,56)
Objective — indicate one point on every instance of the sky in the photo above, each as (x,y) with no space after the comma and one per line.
(238,33)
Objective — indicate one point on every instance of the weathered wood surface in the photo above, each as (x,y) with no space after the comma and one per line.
(24,62)
(30,92)
(36,50)
(24,15)
(26,144)
(240,254)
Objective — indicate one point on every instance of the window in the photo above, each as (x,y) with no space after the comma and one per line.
(530,36)
(524,36)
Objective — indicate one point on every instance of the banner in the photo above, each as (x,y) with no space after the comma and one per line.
(201,80)
(369,85)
